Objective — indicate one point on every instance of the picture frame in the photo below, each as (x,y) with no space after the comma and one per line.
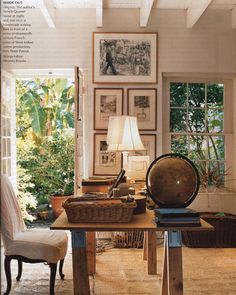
(107,102)
(104,162)
(142,103)
(149,142)
(124,58)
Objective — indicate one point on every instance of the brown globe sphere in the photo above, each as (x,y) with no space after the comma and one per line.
(172,181)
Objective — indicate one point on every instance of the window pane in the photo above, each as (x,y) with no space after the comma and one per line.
(216,172)
(215,120)
(215,94)
(216,147)
(179,144)
(196,120)
(197,148)
(178,120)
(178,94)
(202,169)
(196,94)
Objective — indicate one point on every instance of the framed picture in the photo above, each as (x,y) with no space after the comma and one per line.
(124,58)
(107,102)
(104,162)
(149,142)
(142,103)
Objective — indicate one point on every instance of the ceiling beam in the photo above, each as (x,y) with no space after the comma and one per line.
(195,11)
(46,6)
(99,13)
(234,18)
(145,10)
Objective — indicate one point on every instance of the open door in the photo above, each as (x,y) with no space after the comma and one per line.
(79,130)
(8,127)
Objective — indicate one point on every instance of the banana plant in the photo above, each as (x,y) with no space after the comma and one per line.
(43,106)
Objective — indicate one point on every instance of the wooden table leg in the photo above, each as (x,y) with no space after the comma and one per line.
(91,252)
(152,252)
(79,256)
(145,246)
(174,263)
(164,286)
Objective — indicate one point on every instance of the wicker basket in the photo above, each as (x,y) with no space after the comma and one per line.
(224,234)
(98,210)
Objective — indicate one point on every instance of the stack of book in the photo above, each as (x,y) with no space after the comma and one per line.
(177,217)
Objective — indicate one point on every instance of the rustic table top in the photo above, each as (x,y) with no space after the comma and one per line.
(138,222)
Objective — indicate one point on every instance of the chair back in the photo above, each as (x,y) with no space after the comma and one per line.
(12,221)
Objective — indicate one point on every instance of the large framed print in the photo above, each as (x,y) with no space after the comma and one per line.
(107,102)
(142,103)
(124,58)
(104,162)
(149,142)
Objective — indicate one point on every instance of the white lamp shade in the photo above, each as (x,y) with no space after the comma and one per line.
(123,134)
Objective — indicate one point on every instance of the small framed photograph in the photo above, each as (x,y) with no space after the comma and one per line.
(107,102)
(124,58)
(142,103)
(104,162)
(149,142)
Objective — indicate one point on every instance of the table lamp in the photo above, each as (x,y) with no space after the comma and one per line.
(123,136)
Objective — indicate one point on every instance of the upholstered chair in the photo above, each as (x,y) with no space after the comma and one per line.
(24,245)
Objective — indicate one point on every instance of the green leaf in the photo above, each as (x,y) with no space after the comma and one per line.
(60,84)
(36,113)
(45,89)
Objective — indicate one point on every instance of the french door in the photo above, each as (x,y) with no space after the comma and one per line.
(8,127)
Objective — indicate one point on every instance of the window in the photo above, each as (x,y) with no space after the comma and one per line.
(197,127)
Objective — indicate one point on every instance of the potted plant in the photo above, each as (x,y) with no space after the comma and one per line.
(216,203)
(56,168)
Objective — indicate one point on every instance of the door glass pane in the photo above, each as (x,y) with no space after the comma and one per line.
(8,127)
(8,148)
(8,168)
(3,147)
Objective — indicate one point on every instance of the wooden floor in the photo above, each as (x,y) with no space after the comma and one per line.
(123,271)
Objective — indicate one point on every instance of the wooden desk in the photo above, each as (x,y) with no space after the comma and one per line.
(172,281)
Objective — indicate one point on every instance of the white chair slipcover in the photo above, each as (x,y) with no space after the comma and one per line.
(50,246)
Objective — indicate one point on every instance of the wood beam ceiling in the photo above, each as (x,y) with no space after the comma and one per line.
(99,13)
(195,11)
(145,10)
(45,6)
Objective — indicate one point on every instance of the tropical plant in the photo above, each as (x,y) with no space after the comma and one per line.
(44,112)
(26,200)
(44,105)
(51,165)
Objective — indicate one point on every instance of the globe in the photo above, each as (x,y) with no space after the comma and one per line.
(172,181)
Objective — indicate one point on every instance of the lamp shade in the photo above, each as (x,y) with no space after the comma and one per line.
(123,134)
